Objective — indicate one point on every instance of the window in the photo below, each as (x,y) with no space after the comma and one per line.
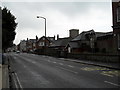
(118,14)
(34,44)
(41,44)
(51,39)
(69,50)
(119,41)
(43,38)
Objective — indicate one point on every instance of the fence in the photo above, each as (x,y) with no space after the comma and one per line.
(96,57)
(88,56)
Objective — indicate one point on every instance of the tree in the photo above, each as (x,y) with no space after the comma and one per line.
(8,28)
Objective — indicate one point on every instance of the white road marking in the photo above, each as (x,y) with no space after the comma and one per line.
(33,62)
(107,74)
(111,83)
(18,80)
(14,57)
(67,70)
(50,57)
(70,66)
(54,62)
(62,58)
(48,60)
(61,63)
(15,82)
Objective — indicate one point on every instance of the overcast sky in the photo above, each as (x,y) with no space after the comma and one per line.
(61,17)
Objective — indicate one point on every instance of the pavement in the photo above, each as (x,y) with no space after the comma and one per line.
(0,76)
(4,76)
(101,64)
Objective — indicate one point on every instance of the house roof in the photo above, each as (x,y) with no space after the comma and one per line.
(101,34)
(32,40)
(73,44)
(50,39)
(41,39)
(81,36)
(61,42)
(105,36)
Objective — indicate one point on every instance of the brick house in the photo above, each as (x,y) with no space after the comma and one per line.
(84,42)
(91,42)
(30,45)
(105,43)
(43,43)
(61,43)
(116,24)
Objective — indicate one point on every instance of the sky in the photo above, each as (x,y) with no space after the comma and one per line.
(60,17)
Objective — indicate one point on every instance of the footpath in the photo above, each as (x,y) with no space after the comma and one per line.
(0,76)
(95,63)
(4,74)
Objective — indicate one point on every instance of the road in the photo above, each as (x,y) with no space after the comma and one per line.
(38,71)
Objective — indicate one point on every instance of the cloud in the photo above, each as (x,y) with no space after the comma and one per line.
(61,17)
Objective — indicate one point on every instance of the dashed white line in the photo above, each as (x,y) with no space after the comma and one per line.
(111,83)
(48,60)
(33,62)
(67,70)
(61,63)
(54,62)
(70,66)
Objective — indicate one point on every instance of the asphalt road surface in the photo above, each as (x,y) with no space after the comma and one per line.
(38,71)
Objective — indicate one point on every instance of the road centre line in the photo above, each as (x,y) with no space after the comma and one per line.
(48,60)
(112,83)
(67,70)
(61,63)
(54,62)
(70,66)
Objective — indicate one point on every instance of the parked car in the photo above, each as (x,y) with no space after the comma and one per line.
(17,51)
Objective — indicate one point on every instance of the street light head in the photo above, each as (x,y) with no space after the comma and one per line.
(37,16)
(41,17)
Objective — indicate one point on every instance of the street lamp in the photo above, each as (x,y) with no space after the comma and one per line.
(45,27)
(45,23)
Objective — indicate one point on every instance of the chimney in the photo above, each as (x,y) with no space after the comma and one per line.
(57,36)
(27,39)
(73,33)
(54,37)
(36,37)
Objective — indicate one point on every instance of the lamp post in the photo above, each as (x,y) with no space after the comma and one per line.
(45,28)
